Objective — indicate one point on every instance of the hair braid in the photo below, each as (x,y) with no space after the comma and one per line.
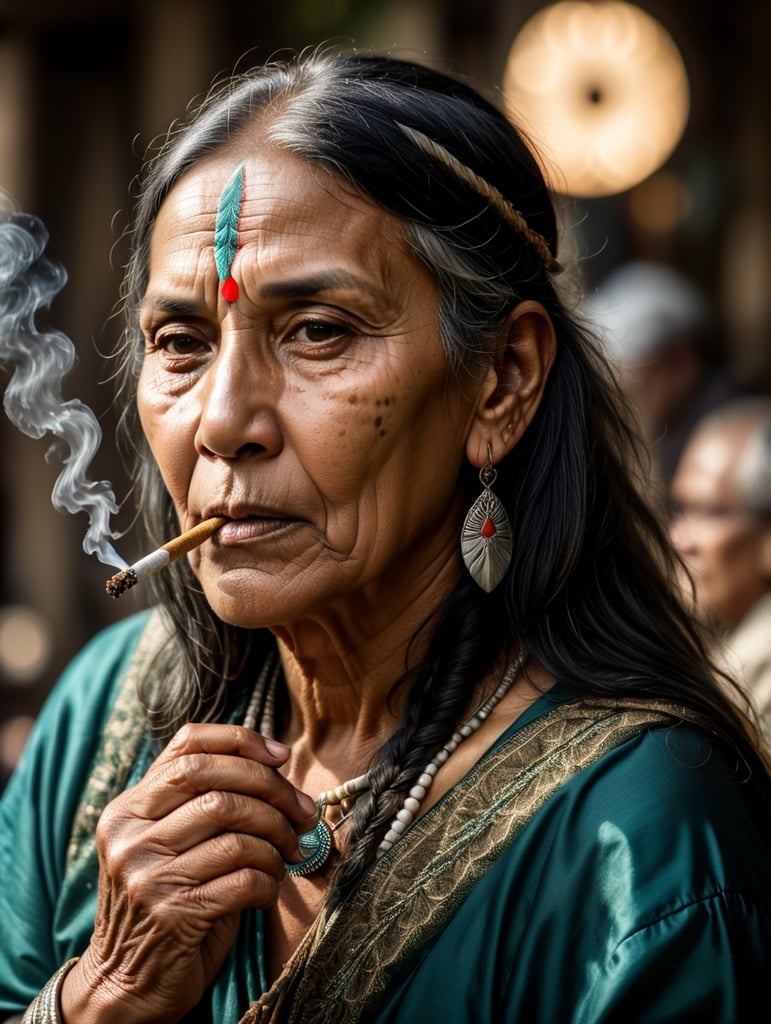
(465,645)
(493,195)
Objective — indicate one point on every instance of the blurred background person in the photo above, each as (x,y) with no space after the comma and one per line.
(661,331)
(721,526)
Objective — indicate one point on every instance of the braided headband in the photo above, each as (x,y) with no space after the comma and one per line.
(496,199)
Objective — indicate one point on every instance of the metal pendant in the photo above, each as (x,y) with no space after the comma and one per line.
(486,541)
(316,847)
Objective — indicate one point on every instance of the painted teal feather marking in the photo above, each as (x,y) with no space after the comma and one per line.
(226,227)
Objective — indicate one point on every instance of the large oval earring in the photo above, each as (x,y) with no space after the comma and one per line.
(486,540)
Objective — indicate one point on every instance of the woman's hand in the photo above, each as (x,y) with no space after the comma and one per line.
(203,836)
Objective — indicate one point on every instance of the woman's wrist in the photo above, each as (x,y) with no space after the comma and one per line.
(90,993)
(46,1007)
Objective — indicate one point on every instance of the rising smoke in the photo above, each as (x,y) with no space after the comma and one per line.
(38,361)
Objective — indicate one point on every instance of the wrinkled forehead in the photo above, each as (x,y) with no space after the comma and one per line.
(248,226)
(250,183)
(239,197)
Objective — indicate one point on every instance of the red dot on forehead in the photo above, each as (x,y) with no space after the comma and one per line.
(229,289)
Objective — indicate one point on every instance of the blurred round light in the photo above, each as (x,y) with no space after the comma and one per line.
(25,644)
(602,90)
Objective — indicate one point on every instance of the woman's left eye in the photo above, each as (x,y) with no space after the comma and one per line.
(318,332)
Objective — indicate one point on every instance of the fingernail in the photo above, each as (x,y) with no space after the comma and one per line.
(277,749)
(306,803)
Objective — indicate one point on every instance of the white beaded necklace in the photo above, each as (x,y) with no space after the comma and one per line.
(318,843)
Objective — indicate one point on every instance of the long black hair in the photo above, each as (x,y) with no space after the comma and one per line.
(591,592)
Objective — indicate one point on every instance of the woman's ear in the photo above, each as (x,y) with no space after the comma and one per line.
(514,385)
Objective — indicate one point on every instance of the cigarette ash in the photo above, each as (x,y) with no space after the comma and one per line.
(121,582)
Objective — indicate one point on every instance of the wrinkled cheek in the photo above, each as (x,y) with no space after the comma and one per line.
(151,404)
(348,449)
(177,471)
(354,503)
(171,436)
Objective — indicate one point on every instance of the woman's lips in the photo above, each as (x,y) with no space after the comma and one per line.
(247,528)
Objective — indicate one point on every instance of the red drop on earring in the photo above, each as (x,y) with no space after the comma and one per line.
(486,541)
(488,529)
(229,289)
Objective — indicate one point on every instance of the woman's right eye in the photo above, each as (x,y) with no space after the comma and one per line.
(178,344)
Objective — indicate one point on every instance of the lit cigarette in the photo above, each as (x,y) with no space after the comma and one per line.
(161,557)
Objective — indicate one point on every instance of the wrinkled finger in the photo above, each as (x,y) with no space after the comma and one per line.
(224,855)
(235,892)
(213,738)
(220,811)
(172,783)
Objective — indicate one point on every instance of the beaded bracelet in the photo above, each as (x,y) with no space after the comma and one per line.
(45,1007)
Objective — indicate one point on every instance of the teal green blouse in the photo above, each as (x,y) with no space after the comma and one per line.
(641,891)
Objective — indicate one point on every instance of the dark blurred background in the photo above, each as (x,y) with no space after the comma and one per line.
(85,85)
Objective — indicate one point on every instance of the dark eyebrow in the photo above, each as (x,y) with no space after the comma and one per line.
(317,283)
(161,304)
(301,287)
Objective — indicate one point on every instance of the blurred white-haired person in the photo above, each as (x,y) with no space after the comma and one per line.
(661,331)
(722,527)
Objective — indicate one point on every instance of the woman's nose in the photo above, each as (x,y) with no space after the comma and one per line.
(237,415)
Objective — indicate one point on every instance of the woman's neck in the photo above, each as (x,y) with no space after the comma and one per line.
(344,693)
(348,674)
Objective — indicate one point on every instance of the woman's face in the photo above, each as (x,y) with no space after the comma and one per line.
(316,411)
(724,544)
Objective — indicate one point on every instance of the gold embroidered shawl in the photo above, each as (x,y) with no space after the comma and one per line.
(123,736)
(348,959)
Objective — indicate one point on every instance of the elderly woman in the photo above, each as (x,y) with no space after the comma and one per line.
(721,525)
(422,732)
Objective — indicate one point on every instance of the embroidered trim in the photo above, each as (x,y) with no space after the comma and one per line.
(122,737)
(346,961)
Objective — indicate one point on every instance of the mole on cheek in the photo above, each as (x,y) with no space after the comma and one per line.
(379,402)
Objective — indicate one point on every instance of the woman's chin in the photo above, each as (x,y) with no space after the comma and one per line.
(241,597)
(250,598)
